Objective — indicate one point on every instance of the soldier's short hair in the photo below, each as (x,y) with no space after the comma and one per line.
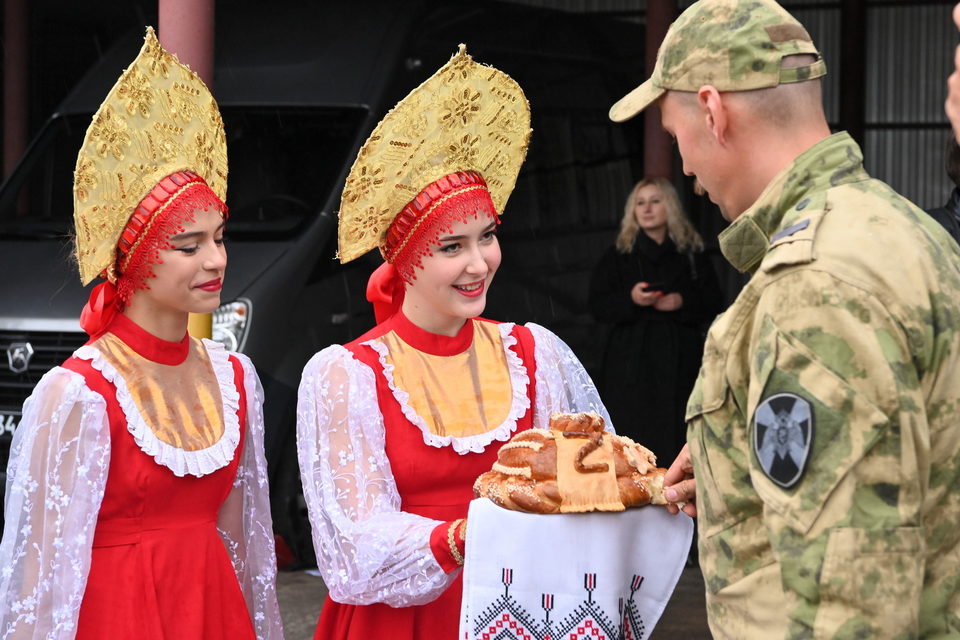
(787,104)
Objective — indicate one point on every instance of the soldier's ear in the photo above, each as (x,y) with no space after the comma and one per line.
(714,112)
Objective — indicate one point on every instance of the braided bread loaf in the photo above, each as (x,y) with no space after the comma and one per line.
(575,466)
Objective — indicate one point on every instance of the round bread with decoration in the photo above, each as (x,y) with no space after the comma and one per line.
(572,467)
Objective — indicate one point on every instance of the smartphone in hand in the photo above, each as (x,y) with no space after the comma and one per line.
(655,286)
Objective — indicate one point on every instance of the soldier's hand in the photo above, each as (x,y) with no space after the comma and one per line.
(679,485)
(952,105)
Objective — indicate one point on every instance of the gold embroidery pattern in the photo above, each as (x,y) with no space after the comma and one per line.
(157,119)
(464,151)
(459,110)
(134,89)
(84,179)
(110,134)
(467,116)
(367,228)
(363,184)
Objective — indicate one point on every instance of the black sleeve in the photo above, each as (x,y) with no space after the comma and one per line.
(609,299)
(947,220)
(702,298)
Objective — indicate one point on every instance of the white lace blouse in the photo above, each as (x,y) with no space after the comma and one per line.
(59,460)
(368,550)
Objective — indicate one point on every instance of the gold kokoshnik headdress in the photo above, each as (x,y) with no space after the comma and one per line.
(154,153)
(451,149)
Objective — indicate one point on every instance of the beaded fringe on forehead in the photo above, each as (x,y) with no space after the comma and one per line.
(417,229)
(148,231)
(425,238)
(168,220)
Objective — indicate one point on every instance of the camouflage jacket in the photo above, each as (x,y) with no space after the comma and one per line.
(825,424)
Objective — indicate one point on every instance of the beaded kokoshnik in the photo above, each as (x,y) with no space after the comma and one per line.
(449,151)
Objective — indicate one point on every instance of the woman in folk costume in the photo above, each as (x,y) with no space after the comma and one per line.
(136,502)
(394,427)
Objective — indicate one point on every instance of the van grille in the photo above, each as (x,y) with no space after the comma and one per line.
(50,349)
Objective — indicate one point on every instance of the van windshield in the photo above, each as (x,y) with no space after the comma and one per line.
(283,163)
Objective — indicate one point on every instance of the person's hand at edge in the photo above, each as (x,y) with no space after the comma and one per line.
(679,485)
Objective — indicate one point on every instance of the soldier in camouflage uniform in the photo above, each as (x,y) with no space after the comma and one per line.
(824,428)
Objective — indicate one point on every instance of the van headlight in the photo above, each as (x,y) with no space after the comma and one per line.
(230,323)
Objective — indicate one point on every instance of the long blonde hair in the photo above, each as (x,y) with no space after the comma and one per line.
(678,227)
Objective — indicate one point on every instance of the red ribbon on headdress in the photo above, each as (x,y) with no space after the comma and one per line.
(100,309)
(385,290)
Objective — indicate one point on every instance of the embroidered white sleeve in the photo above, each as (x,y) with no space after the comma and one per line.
(56,475)
(367,549)
(245,523)
(562,383)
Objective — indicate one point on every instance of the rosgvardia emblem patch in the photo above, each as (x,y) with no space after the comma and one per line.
(782,433)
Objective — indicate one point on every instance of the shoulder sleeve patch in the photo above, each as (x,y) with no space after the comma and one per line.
(782,432)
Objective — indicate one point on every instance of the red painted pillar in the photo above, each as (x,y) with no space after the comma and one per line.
(658,150)
(15,99)
(186,29)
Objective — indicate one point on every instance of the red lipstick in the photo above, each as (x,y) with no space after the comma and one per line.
(471,293)
(212,285)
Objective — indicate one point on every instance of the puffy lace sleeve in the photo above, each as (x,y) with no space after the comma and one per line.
(244,522)
(56,475)
(562,382)
(367,549)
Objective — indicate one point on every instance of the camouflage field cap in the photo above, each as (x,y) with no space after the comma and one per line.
(734,45)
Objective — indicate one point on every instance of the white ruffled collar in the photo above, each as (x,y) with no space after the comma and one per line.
(478,442)
(199,462)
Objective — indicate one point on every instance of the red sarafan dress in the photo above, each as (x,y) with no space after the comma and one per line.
(393,429)
(138,493)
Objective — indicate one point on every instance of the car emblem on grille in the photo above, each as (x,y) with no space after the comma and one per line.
(18,356)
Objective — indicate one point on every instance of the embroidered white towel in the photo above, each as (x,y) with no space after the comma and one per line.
(601,575)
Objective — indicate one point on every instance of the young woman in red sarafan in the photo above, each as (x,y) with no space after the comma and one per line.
(137,501)
(394,427)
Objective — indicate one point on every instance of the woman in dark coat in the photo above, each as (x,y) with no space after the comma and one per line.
(660,292)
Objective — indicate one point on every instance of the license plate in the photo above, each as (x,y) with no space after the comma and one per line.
(8,422)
